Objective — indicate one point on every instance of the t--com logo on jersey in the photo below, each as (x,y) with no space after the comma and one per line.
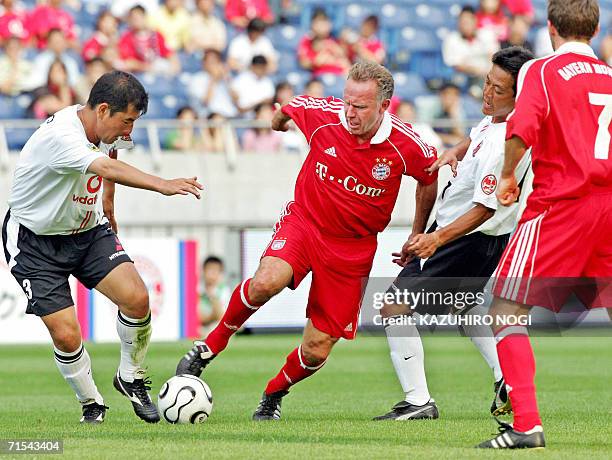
(382,169)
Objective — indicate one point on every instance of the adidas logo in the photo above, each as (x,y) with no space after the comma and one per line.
(349,328)
(331,151)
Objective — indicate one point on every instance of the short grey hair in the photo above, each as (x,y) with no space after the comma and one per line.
(370,70)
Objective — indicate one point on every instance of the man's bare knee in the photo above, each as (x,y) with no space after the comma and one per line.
(137,304)
(265,285)
(315,352)
(390,310)
(66,339)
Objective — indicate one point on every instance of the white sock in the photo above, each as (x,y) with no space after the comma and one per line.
(135,335)
(75,367)
(405,342)
(482,337)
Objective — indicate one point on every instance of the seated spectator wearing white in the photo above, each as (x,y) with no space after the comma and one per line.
(142,49)
(14,69)
(184,137)
(319,52)
(209,90)
(121,8)
(364,45)
(314,88)
(468,50)
(55,95)
(406,112)
(173,21)
(517,33)
(104,42)
(253,87)
(13,22)
(207,31)
(218,136)
(214,294)
(451,115)
(262,139)
(491,17)
(240,12)
(57,47)
(252,43)
(94,69)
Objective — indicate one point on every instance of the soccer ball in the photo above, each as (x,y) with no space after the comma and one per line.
(185,399)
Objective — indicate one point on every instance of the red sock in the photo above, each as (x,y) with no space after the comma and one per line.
(292,372)
(239,309)
(518,367)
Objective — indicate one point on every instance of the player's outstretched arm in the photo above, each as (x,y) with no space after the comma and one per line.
(451,157)
(508,189)
(124,174)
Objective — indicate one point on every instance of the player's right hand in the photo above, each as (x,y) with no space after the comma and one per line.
(279,120)
(182,186)
(447,158)
(507,191)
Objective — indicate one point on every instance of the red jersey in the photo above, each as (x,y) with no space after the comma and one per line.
(143,46)
(13,23)
(94,46)
(563,112)
(348,189)
(249,9)
(44,18)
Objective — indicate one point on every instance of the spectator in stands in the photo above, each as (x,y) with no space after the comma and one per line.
(283,93)
(252,43)
(469,49)
(319,52)
(14,69)
(543,45)
(240,12)
(262,139)
(407,113)
(94,69)
(57,48)
(214,294)
(47,17)
(215,138)
(253,87)
(56,95)
(517,34)
(314,88)
(144,50)
(366,45)
(184,137)
(13,22)
(520,8)
(173,21)
(209,89)
(121,8)
(104,41)
(490,16)
(450,115)
(207,31)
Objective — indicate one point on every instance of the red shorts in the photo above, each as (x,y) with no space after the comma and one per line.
(566,249)
(339,266)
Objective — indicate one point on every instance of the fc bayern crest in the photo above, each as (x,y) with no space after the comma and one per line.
(489,184)
(277,245)
(381,171)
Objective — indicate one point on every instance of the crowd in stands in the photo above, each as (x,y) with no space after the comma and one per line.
(232,59)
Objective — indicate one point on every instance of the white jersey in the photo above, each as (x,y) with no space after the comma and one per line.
(52,193)
(477,178)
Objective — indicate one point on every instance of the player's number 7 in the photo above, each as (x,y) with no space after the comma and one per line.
(602,141)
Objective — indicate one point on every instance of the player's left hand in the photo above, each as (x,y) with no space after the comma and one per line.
(404,257)
(507,191)
(424,245)
(108,207)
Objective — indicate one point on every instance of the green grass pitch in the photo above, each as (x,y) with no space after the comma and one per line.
(326,416)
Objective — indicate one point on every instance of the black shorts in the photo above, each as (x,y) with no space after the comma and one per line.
(41,264)
(460,267)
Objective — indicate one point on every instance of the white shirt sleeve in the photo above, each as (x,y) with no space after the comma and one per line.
(488,173)
(70,155)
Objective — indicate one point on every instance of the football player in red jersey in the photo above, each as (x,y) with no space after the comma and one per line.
(344,196)
(563,112)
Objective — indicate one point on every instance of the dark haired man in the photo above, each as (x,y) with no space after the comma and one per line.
(466,241)
(54,228)
(562,245)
